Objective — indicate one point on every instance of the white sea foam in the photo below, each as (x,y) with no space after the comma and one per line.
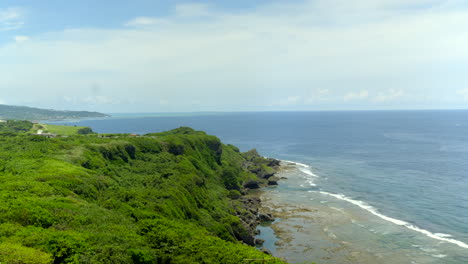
(308,172)
(372,210)
(443,235)
(297,163)
(311,182)
(306,169)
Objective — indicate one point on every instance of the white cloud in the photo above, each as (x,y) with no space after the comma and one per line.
(181,11)
(318,95)
(193,10)
(100,99)
(145,21)
(463,93)
(389,95)
(91,100)
(287,101)
(356,95)
(11,18)
(21,39)
(248,59)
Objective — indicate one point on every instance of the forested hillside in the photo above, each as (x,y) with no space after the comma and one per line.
(171,197)
(30,113)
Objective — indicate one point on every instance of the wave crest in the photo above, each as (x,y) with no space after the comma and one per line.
(372,210)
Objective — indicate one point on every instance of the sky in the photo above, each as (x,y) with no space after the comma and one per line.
(118,56)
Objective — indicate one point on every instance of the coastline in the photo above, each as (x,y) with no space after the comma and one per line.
(298,232)
(311,226)
(302,234)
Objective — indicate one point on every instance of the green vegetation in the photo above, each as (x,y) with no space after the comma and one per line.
(29,113)
(162,198)
(61,130)
(84,131)
(12,126)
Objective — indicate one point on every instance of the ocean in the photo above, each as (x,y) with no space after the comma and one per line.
(395,182)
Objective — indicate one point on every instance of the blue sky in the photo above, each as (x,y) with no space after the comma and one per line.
(178,56)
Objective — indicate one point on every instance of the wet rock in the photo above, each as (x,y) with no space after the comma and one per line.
(249,219)
(273,162)
(266,251)
(246,237)
(255,170)
(253,210)
(273,180)
(251,184)
(265,175)
(266,218)
(259,241)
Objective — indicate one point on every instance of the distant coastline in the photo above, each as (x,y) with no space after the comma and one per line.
(13,112)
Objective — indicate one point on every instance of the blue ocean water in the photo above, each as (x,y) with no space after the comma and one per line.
(410,166)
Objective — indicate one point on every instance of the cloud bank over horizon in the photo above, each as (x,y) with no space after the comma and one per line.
(277,55)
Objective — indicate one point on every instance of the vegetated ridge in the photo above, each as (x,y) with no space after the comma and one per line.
(24,127)
(30,113)
(171,197)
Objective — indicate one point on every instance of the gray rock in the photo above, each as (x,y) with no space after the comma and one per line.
(273,180)
(259,241)
(273,162)
(266,218)
(251,184)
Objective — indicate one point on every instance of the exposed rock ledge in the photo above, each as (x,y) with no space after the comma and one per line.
(265,170)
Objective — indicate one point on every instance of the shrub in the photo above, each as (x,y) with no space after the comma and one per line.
(18,254)
(85,131)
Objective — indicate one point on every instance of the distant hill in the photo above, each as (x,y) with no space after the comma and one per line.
(30,113)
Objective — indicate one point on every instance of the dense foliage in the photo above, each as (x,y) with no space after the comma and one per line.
(12,126)
(159,198)
(84,131)
(29,113)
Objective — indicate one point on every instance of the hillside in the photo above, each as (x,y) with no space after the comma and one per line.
(29,113)
(171,197)
(24,127)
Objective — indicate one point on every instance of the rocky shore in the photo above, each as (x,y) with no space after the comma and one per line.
(250,211)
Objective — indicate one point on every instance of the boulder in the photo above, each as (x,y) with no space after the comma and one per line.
(273,162)
(259,241)
(265,175)
(255,170)
(266,218)
(266,251)
(251,184)
(273,180)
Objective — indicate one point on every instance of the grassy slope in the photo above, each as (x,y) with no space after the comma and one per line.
(156,199)
(56,129)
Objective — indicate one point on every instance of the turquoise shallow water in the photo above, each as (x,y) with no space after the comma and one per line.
(402,170)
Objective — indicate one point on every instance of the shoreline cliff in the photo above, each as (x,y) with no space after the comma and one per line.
(170,197)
